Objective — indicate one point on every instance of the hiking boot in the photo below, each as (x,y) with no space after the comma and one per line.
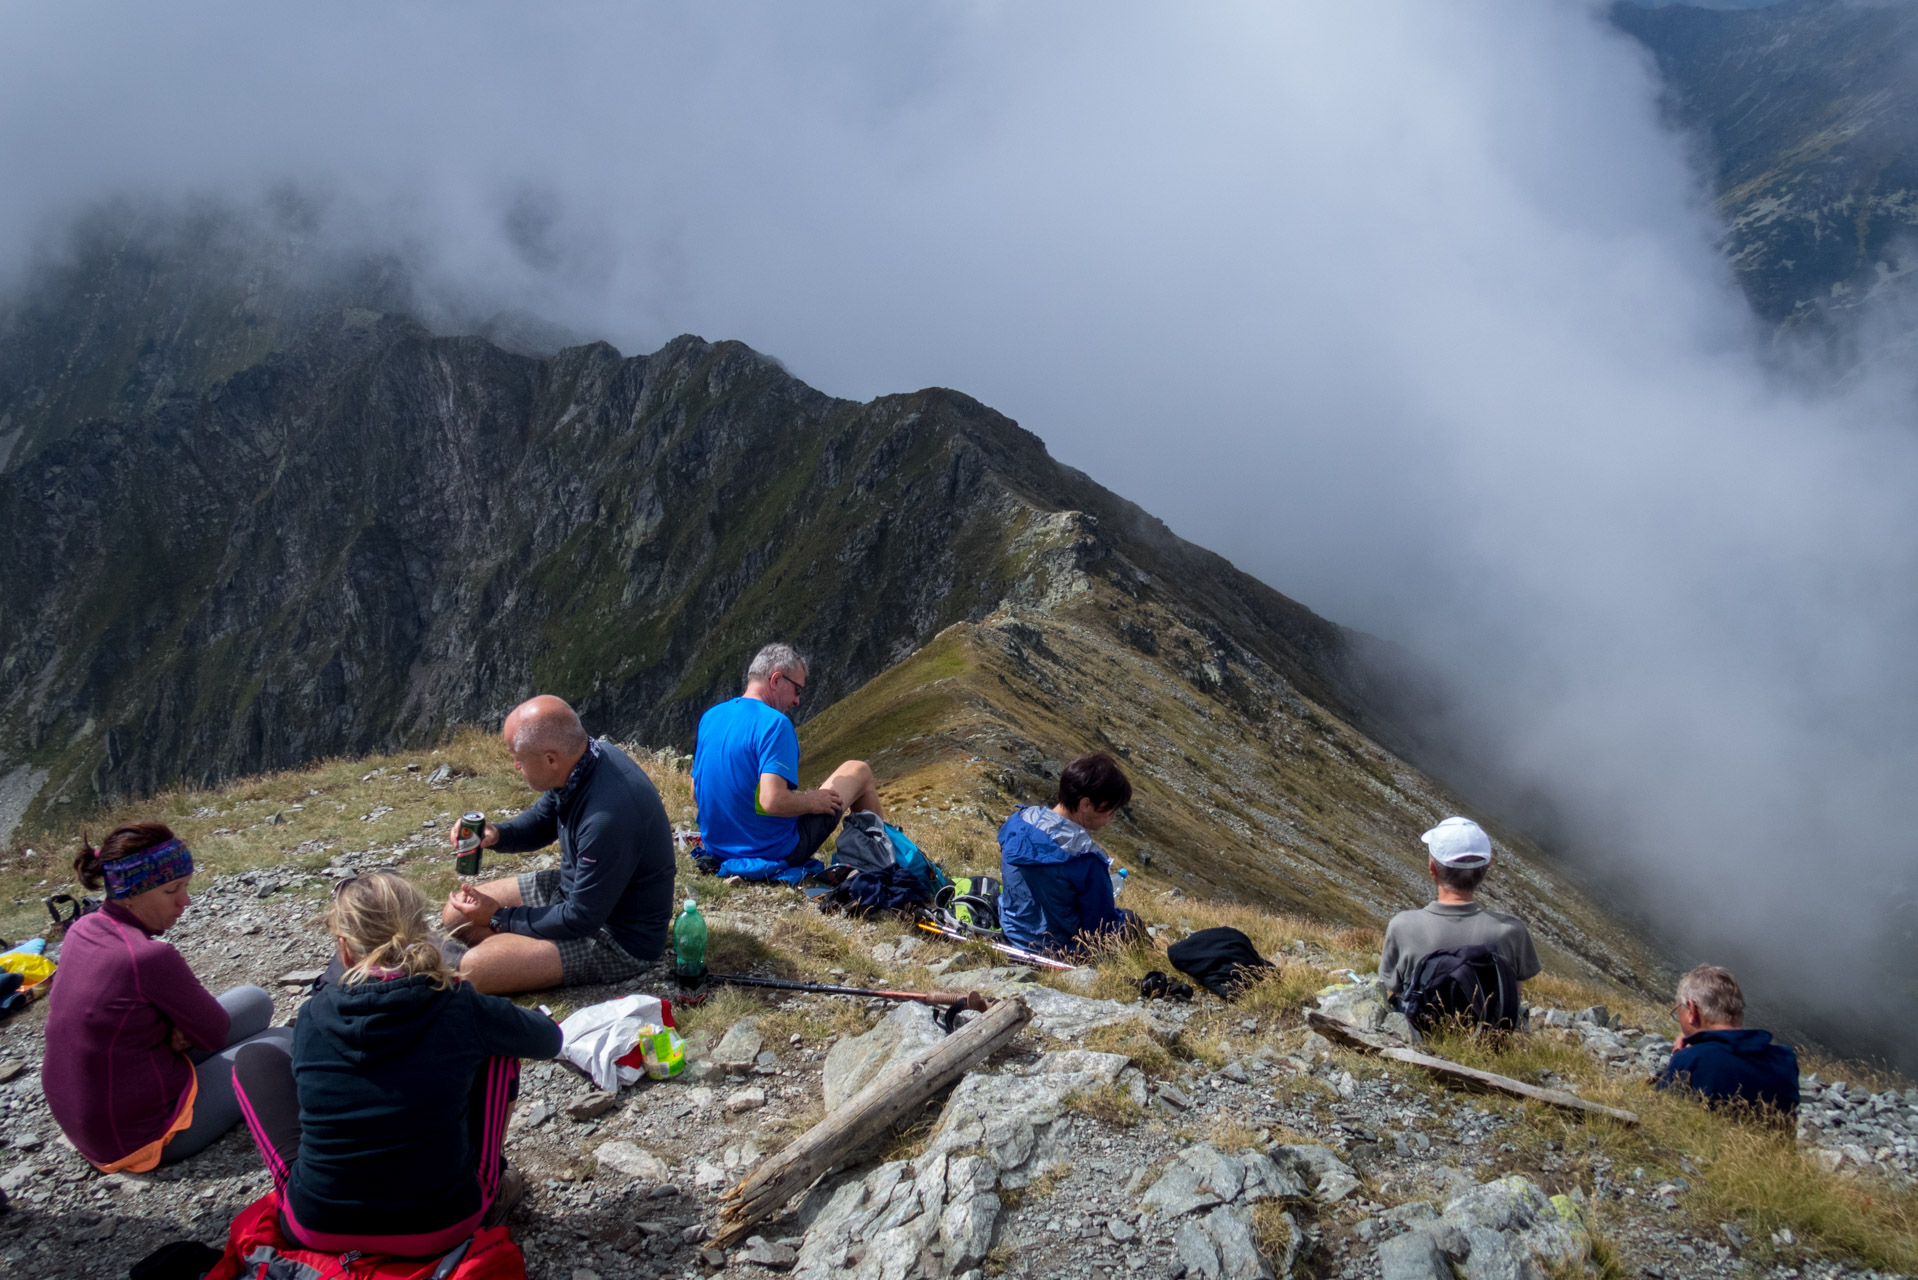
(512,1185)
(1153,985)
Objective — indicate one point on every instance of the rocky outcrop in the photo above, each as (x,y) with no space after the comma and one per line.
(1806,111)
(1502,1230)
(997,1130)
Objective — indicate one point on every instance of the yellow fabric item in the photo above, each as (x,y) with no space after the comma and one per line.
(32,969)
(148,1157)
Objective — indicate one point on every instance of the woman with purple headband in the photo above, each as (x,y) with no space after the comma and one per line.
(139,1064)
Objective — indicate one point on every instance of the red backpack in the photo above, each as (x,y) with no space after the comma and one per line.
(256,1249)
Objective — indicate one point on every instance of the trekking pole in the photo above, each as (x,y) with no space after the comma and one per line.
(831,989)
(1003,948)
(949,1003)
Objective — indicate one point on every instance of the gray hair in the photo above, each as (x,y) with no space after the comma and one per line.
(1715,992)
(774,657)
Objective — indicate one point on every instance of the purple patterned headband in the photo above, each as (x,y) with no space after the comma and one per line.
(148,869)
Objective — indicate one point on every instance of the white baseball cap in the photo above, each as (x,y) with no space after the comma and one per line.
(1459,842)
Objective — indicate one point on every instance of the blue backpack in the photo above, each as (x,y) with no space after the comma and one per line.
(868,844)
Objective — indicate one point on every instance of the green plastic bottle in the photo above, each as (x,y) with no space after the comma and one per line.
(689,945)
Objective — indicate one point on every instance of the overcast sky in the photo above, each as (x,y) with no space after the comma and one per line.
(1411,309)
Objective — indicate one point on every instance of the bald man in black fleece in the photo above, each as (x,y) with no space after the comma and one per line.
(602,916)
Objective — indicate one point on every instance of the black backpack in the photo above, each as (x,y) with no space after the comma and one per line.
(863,844)
(1475,984)
(74,909)
(1222,960)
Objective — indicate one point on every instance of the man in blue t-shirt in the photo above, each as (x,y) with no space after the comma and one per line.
(753,817)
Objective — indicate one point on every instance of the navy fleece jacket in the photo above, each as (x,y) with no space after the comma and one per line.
(384,1071)
(615,856)
(1056,882)
(1727,1065)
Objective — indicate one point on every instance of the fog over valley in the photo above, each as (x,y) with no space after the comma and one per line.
(1419,313)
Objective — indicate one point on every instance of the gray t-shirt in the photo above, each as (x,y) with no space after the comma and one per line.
(1414,935)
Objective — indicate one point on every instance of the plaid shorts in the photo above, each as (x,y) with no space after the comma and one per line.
(582,961)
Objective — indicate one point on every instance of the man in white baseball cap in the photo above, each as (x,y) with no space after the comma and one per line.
(1459,855)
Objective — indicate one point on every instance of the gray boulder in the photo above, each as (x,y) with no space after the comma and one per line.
(1502,1230)
(966,1229)
(1019,1119)
(1366,1006)
(997,1129)
(853,1064)
(739,1046)
(633,1162)
(1201,1177)
(1413,1256)
(1065,1016)
(882,1224)
(1330,1178)
(1220,1246)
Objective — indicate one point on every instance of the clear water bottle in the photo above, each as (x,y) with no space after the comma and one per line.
(1118,881)
(689,945)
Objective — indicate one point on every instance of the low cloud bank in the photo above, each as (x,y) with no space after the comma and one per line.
(1414,311)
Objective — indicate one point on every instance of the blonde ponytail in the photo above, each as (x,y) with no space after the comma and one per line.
(382,919)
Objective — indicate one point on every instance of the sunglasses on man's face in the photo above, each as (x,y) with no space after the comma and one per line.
(797,686)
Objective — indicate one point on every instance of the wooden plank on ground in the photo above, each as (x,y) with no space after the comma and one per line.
(1457,1073)
(897,1091)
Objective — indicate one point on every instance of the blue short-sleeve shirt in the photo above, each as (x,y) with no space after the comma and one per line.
(739,740)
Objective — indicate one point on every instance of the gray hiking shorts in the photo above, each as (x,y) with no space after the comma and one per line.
(587,961)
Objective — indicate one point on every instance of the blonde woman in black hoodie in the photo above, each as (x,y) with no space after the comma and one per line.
(383,1132)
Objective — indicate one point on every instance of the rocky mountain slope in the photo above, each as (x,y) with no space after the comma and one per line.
(373,534)
(1807,113)
(1116,1137)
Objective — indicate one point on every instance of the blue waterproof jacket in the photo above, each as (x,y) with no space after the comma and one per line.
(1056,883)
(1728,1065)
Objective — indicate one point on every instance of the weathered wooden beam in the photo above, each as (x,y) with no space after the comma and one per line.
(1457,1073)
(1348,1035)
(899,1090)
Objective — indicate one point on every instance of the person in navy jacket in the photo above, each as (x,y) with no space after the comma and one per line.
(1719,1059)
(603,914)
(1057,882)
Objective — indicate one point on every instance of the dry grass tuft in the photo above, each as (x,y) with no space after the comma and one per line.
(1281,993)
(817,1021)
(1109,1103)
(1135,1040)
(722,1007)
(1272,1229)
(1228,1134)
(813,938)
(1049,1180)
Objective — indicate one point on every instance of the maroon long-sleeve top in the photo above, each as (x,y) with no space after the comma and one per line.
(112,1080)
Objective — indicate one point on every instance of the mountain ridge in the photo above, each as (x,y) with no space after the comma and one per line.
(375,534)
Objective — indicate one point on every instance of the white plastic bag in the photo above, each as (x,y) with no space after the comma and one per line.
(597,1036)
